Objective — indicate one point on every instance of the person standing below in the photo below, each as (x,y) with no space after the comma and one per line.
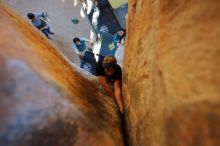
(80,47)
(109,74)
(120,36)
(119,40)
(40,24)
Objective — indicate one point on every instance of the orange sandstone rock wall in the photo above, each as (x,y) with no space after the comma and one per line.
(171,73)
(44,101)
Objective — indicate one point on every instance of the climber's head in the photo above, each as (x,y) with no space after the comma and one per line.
(109,65)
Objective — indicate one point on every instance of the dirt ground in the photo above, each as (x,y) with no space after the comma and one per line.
(60,13)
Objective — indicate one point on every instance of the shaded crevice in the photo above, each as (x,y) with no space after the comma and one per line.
(124,130)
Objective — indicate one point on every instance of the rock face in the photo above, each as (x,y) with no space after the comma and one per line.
(171,73)
(44,101)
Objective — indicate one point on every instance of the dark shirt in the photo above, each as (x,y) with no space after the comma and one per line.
(101,72)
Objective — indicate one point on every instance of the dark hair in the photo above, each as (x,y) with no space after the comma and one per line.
(123,35)
(30,15)
(76,39)
(121,29)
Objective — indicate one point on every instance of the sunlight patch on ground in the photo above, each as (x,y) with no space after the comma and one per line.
(95,18)
(92,35)
(75,2)
(82,14)
(89,6)
(96,49)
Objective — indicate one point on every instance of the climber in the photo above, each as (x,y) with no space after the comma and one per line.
(119,37)
(37,21)
(109,74)
(80,47)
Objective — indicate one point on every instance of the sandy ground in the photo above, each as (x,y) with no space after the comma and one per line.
(60,13)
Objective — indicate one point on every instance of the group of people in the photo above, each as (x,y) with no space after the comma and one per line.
(79,44)
(109,73)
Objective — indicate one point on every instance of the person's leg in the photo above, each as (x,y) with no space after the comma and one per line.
(81,63)
(46,33)
(48,29)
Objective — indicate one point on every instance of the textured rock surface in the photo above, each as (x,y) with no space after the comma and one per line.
(171,73)
(44,101)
